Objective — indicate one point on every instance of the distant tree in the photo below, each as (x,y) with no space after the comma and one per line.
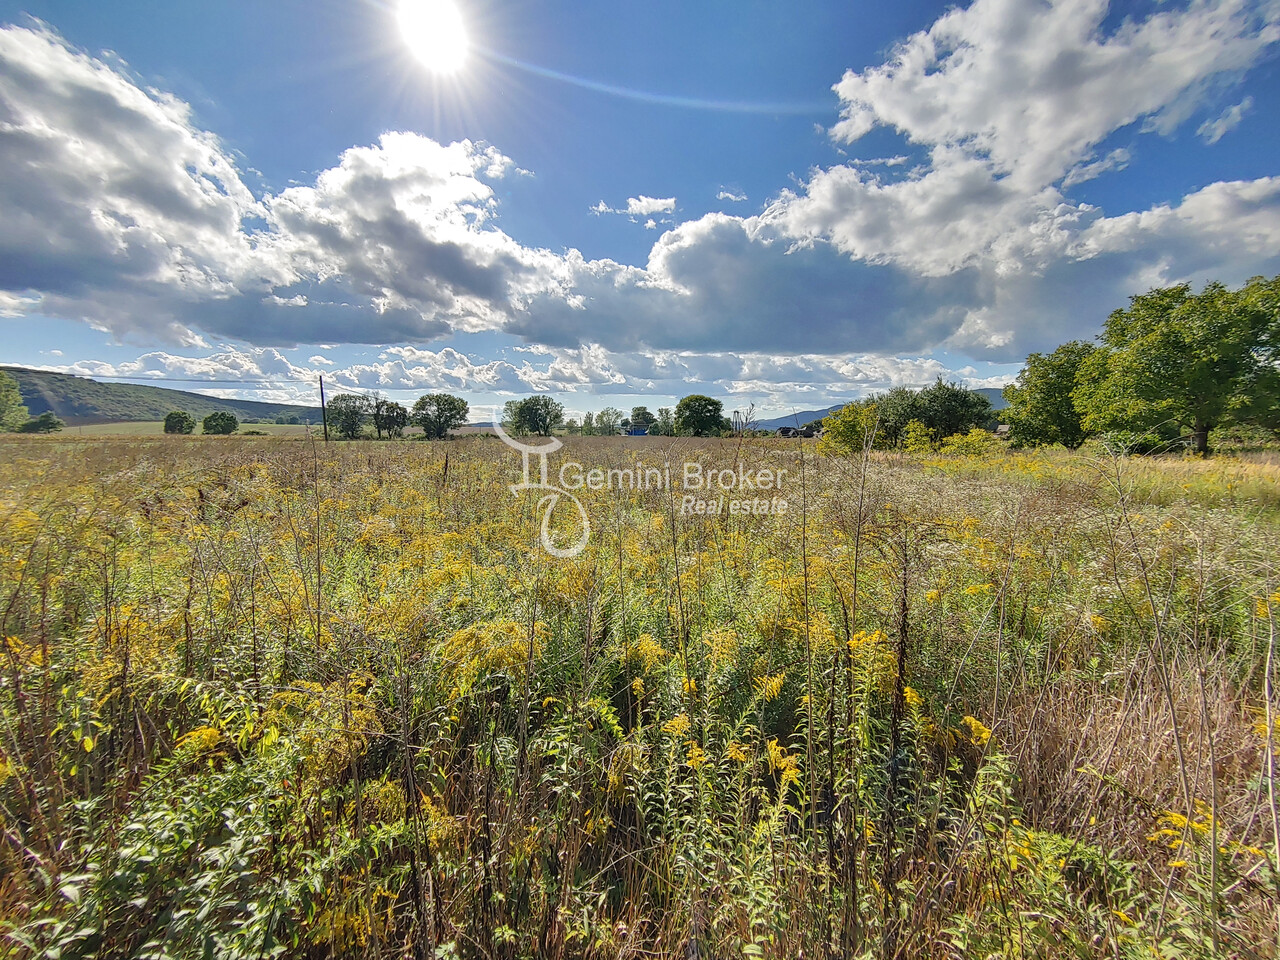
(896,408)
(950,409)
(13,413)
(641,417)
(47,422)
(540,414)
(348,413)
(665,426)
(438,413)
(608,421)
(179,421)
(588,424)
(572,427)
(700,416)
(512,419)
(389,416)
(1041,407)
(221,422)
(1195,361)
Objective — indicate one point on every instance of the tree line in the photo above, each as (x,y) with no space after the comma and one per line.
(1171,367)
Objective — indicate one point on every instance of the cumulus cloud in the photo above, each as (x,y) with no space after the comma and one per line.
(731,196)
(120,211)
(1035,86)
(1214,130)
(770,381)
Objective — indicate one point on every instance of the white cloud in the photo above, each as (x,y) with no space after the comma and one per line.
(325,361)
(1214,130)
(1034,86)
(638,207)
(979,247)
(731,196)
(1088,169)
(643,206)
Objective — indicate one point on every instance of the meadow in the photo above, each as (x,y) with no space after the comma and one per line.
(270,697)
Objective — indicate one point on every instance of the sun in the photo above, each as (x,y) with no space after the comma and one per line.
(434,31)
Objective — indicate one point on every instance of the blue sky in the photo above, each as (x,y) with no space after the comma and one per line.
(779,204)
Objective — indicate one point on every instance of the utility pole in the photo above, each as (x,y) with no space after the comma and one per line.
(324,411)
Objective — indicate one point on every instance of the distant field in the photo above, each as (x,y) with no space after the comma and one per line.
(148,428)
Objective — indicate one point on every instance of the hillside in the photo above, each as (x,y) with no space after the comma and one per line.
(993,394)
(79,400)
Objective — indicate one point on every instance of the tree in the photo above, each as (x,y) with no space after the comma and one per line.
(1041,406)
(348,413)
(950,409)
(389,416)
(700,416)
(588,424)
(438,413)
(47,422)
(179,421)
(540,414)
(1194,361)
(641,417)
(666,423)
(13,413)
(895,408)
(608,421)
(513,419)
(221,422)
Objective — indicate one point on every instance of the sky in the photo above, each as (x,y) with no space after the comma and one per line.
(778,204)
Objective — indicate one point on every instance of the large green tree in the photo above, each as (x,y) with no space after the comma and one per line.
(700,416)
(950,409)
(538,414)
(438,413)
(348,413)
(1194,361)
(1042,408)
(390,417)
(13,413)
(179,421)
(221,422)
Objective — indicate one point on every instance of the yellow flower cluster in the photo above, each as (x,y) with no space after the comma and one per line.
(785,764)
(677,726)
(978,732)
(770,687)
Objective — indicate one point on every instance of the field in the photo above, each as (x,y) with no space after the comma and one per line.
(155,428)
(265,698)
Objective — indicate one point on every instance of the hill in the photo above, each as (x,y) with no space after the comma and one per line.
(993,394)
(81,401)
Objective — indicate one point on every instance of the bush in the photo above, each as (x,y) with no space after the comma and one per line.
(179,421)
(221,422)
(47,422)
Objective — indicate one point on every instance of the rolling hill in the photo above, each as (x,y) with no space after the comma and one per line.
(81,401)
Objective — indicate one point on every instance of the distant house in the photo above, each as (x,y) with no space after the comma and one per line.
(637,431)
(794,432)
(1002,431)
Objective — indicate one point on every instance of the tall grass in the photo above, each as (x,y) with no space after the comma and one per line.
(262,697)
